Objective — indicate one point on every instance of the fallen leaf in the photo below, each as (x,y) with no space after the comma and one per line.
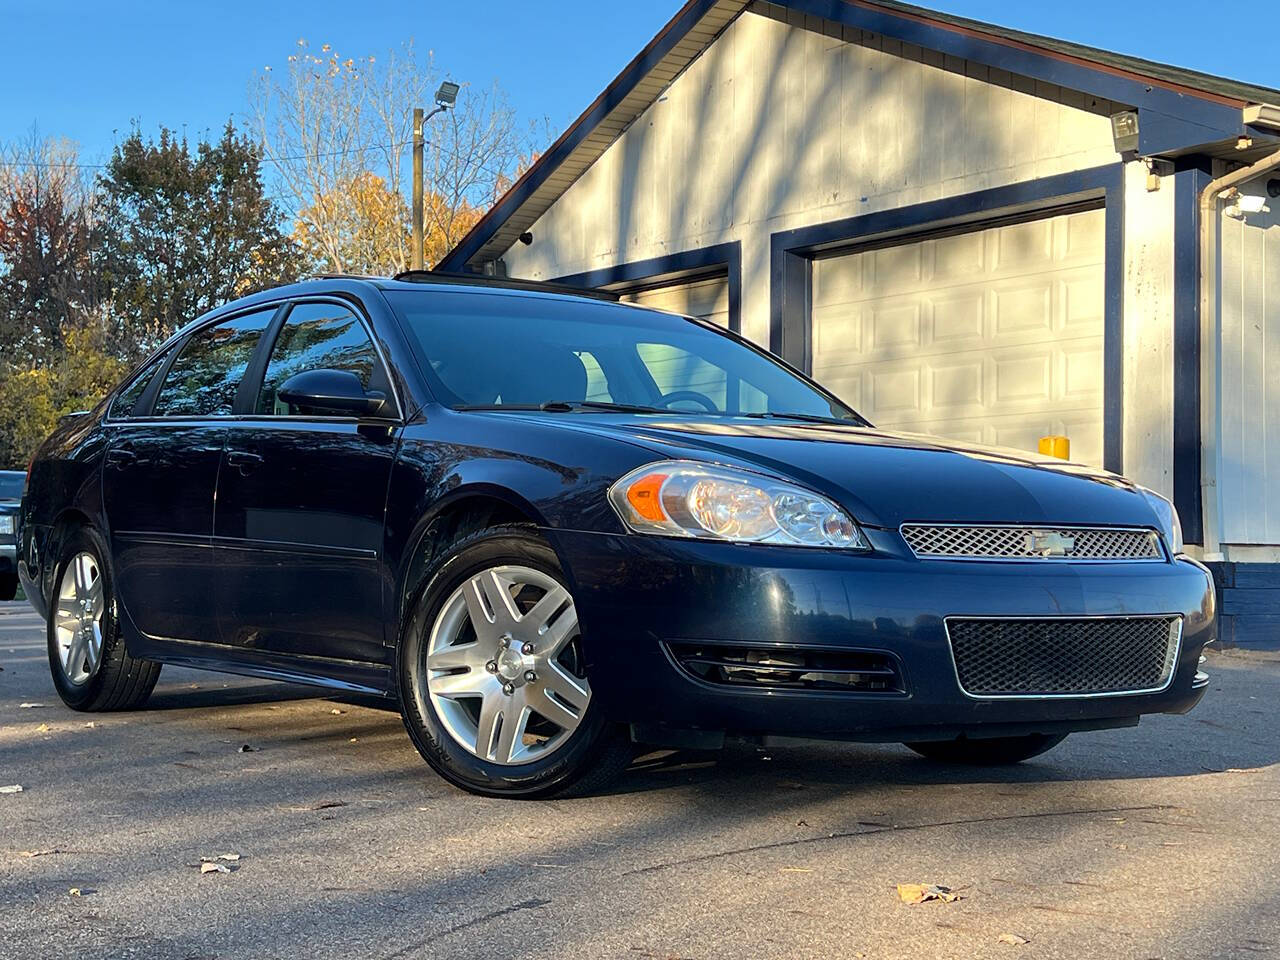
(354,740)
(797,870)
(920,892)
(1012,939)
(229,857)
(324,805)
(12,788)
(336,712)
(210,867)
(245,748)
(39,853)
(74,891)
(29,706)
(90,725)
(43,728)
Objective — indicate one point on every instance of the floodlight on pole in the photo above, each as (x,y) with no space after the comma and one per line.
(446,97)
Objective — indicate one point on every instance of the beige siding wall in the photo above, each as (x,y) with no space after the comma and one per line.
(1148,330)
(1249,377)
(776,126)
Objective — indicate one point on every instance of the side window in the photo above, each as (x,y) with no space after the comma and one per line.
(675,370)
(319,336)
(205,376)
(122,406)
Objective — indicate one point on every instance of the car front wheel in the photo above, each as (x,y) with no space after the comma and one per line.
(91,668)
(995,751)
(493,681)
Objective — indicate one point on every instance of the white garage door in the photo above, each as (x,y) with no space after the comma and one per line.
(707,298)
(992,336)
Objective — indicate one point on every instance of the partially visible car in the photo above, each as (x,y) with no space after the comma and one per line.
(11,486)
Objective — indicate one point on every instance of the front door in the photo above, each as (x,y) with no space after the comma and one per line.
(299,525)
(160,473)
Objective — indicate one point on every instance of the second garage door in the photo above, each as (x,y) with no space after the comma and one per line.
(993,336)
(707,298)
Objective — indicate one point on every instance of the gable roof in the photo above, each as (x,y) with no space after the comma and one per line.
(1179,109)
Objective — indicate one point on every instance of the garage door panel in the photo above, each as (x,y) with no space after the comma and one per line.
(707,298)
(1002,333)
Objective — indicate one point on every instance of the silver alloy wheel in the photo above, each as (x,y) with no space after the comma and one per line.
(496,670)
(78,618)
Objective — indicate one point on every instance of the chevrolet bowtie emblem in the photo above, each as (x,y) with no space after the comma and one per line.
(1048,543)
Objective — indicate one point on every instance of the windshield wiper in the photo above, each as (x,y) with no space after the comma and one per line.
(807,418)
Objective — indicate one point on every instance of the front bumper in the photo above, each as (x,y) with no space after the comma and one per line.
(634,593)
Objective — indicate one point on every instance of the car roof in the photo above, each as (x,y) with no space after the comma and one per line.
(416,281)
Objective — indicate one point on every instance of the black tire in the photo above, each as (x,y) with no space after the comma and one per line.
(997,751)
(594,754)
(121,681)
(8,586)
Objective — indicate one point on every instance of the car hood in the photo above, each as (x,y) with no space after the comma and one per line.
(887,478)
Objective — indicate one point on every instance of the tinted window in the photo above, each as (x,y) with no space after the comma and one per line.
(11,485)
(503,350)
(319,336)
(205,376)
(122,406)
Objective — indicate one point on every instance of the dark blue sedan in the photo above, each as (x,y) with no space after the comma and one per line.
(553,526)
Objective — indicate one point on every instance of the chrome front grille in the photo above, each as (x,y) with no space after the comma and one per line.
(962,542)
(1064,656)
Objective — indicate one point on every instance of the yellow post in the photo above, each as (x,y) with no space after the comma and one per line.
(1059,447)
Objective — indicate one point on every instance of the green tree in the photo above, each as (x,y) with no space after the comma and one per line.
(184,231)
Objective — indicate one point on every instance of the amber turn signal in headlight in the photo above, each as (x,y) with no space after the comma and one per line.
(685,498)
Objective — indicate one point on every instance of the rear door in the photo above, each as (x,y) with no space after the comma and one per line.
(299,524)
(160,473)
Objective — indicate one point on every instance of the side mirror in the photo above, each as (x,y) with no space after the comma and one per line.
(333,392)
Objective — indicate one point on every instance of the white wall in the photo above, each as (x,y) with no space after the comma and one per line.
(1148,330)
(1249,376)
(776,126)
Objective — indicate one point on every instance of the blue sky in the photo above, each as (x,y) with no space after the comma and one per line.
(85,70)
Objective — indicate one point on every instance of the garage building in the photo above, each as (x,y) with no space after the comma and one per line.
(959,229)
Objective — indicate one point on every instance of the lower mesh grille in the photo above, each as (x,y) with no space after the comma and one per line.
(791,667)
(1064,657)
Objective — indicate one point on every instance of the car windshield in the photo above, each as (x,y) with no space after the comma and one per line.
(11,485)
(538,352)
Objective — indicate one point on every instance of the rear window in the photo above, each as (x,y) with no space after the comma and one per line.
(206,375)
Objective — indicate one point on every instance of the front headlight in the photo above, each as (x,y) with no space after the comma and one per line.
(1167,517)
(684,498)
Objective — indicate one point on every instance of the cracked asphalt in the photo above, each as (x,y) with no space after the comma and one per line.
(1160,841)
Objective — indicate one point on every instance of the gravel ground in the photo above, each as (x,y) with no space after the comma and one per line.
(1159,841)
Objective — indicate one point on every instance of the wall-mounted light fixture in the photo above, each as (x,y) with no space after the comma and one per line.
(1124,131)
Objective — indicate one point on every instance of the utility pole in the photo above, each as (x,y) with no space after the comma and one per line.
(446,96)
(415,258)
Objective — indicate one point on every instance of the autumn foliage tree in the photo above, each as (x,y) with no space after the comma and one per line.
(338,132)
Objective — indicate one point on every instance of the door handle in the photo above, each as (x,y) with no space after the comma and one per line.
(121,457)
(246,461)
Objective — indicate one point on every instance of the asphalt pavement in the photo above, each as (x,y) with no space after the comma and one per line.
(1159,841)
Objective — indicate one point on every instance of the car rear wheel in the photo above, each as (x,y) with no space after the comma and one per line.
(8,586)
(493,681)
(995,751)
(91,669)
